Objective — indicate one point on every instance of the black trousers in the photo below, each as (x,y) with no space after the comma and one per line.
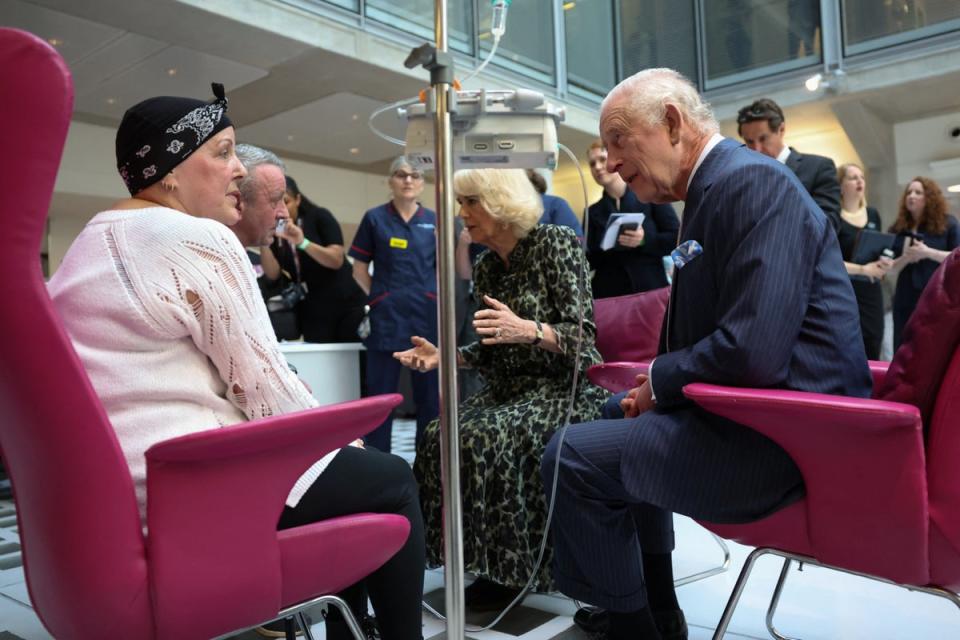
(367,480)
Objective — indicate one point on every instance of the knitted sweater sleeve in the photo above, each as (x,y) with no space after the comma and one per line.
(205,290)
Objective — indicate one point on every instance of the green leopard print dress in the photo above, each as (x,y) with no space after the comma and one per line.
(505,427)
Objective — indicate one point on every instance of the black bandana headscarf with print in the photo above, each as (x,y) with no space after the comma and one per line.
(159,133)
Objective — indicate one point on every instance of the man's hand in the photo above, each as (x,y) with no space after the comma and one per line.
(639,399)
(631,238)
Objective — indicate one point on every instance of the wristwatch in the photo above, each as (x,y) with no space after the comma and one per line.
(539,335)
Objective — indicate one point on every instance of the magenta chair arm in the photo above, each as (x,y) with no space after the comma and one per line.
(322,428)
(215,497)
(862,461)
(617,376)
(878,369)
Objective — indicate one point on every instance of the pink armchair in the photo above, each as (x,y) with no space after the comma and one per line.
(883,486)
(212,560)
(628,336)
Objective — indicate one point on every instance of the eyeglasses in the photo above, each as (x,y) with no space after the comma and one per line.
(403,175)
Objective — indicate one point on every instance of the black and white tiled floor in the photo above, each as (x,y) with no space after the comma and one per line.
(817,604)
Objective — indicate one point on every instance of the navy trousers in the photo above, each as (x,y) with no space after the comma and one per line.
(620,480)
(383,374)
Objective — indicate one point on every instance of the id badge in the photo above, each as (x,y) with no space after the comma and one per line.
(398,243)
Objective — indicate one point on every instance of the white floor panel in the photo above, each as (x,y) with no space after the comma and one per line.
(817,604)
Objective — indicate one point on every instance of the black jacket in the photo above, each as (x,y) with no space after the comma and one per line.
(621,271)
(818,175)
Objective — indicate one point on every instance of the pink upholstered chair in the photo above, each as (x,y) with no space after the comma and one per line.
(212,560)
(628,336)
(882,475)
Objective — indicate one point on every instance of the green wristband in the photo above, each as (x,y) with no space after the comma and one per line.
(303,244)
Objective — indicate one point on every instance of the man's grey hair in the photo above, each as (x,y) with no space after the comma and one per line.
(649,91)
(252,157)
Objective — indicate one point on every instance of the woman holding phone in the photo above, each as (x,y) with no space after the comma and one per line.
(926,236)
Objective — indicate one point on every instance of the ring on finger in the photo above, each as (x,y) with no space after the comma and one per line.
(498,332)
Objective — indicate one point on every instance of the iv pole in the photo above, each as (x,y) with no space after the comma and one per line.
(449,428)
(440,64)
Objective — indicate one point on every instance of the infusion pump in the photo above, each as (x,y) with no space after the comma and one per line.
(491,128)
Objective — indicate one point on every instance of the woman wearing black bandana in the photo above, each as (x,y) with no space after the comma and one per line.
(163,308)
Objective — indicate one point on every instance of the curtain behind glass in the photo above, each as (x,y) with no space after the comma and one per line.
(416,17)
(658,33)
(589,28)
(749,35)
(527,46)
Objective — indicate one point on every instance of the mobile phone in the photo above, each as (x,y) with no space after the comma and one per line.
(281,225)
(628,226)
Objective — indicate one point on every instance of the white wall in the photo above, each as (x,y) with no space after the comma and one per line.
(88,182)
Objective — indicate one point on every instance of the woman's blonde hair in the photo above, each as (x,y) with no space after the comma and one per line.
(506,194)
(842,175)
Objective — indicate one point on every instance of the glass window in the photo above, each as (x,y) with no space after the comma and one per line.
(658,33)
(318,6)
(751,38)
(590,45)
(352,5)
(873,24)
(416,17)
(528,44)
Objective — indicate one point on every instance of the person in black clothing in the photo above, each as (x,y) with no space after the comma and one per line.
(636,262)
(855,216)
(333,307)
(762,127)
(926,234)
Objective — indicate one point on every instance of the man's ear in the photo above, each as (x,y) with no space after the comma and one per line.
(674,120)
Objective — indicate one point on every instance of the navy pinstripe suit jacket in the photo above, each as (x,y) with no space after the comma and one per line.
(768,303)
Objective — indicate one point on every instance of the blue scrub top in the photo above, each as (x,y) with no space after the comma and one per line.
(403,294)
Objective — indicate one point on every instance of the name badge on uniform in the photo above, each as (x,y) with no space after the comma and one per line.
(398,243)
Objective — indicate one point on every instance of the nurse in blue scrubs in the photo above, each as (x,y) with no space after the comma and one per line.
(399,239)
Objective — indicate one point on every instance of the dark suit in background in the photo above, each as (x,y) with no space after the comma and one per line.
(818,175)
(767,304)
(621,270)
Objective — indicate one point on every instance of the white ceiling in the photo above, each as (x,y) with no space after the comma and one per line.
(305,87)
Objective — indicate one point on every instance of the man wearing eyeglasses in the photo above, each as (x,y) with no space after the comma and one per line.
(762,127)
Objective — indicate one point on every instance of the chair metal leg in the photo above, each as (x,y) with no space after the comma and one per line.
(679,582)
(775,600)
(347,616)
(290,628)
(304,625)
(778,591)
(737,592)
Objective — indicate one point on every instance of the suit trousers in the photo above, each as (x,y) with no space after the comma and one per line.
(620,480)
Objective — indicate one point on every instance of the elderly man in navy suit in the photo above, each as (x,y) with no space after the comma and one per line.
(760,298)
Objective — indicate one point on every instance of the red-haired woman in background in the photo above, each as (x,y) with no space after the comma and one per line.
(927,235)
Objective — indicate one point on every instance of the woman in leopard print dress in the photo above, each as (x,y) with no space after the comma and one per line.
(531,289)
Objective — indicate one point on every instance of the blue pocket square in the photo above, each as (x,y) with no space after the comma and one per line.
(685,253)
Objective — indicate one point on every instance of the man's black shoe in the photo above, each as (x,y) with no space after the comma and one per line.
(592,619)
(671,624)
